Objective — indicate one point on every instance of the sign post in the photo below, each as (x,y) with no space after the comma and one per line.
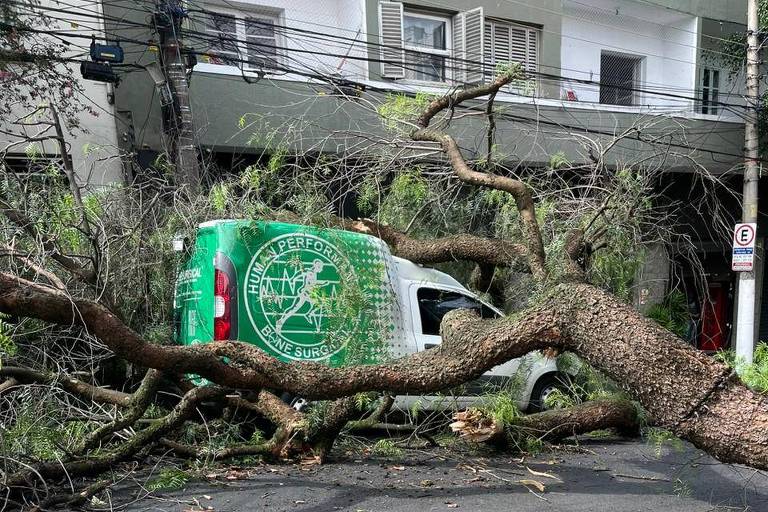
(743,261)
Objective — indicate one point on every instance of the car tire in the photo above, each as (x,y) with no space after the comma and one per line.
(296,402)
(543,387)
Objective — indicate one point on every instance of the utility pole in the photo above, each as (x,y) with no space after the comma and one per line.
(177,126)
(745,318)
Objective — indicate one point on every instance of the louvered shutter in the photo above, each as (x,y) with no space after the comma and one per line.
(488,64)
(501,45)
(519,47)
(391,30)
(532,60)
(473,44)
(459,74)
(468,41)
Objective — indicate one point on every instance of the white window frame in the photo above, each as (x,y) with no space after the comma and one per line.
(240,16)
(636,98)
(711,104)
(447,53)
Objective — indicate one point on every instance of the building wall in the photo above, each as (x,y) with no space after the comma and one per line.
(667,45)
(93,148)
(290,108)
(545,14)
(721,10)
(321,28)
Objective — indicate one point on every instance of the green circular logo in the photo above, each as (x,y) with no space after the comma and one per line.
(291,288)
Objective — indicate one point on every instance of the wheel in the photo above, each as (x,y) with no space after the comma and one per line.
(294,401)
(544,387)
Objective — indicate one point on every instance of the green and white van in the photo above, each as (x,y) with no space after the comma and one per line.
(304,293)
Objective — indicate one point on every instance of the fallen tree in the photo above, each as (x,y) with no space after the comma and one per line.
(682,389)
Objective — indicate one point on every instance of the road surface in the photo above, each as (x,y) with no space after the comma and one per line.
(609,475)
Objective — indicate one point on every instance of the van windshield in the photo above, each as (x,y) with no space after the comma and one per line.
(434,304)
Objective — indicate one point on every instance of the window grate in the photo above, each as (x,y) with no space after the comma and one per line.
(619,76)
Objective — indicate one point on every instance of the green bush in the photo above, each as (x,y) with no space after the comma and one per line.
(672,313)
(755,374)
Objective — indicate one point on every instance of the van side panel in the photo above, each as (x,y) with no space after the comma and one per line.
(304,293)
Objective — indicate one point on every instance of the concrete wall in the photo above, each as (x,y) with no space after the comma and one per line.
(528,133)
(652,278)
(99,165)
(722,10)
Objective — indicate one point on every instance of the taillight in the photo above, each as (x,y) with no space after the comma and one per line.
(222,300)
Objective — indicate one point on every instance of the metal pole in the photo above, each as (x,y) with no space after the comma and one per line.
(745,319)
(183,150)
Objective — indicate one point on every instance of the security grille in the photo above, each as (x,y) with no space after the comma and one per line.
(619,77)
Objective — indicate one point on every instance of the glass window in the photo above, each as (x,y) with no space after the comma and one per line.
(424,32)
(434,304)
(710,91)
(249,41)
(261,41)
(425,39)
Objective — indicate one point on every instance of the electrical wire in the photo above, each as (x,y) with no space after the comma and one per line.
(326,78)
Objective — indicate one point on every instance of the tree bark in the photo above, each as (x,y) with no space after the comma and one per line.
(600,414)
(553,425)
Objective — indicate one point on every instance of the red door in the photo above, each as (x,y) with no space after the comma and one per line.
(713,321)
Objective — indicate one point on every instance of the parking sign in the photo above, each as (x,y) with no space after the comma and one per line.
(743,256)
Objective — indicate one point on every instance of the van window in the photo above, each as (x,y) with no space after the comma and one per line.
(434,304)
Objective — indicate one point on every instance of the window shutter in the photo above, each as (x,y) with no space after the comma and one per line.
(519,47)
(532,61)
(468,42)
(488,64)
(501,45)
(459,54)
(391,30)
(473,44)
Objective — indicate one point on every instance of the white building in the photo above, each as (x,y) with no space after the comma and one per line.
(93,148)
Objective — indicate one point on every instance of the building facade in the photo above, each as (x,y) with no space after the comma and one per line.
(594,68)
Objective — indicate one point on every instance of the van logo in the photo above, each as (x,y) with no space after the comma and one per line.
(291,287)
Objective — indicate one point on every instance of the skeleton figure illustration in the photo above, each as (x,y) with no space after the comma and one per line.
(308,283)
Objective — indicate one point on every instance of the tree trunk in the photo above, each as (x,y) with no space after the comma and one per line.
(682,389)
(580,419)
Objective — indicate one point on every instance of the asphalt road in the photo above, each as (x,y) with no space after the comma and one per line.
(599,475)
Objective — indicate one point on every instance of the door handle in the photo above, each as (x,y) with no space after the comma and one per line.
(428,346)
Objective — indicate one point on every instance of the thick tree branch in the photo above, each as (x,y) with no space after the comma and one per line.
(553,425)
(139,401)
(518,189)
(486,251)
(612,336)
(67,383)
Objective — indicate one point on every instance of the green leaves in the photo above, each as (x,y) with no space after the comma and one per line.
(7,345)
(755,374)
(672,313)
(398,110)
(169,479)
(218,197)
